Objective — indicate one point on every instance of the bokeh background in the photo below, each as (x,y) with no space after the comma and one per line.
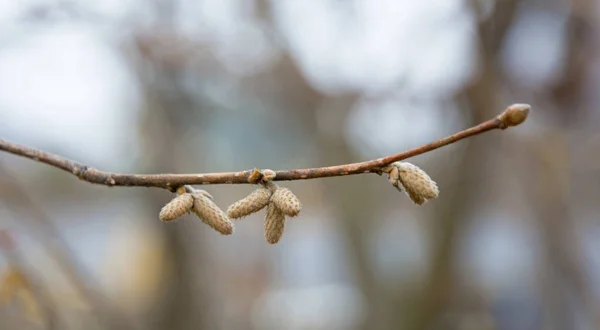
(184,86)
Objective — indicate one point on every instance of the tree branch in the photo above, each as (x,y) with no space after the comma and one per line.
(512,116)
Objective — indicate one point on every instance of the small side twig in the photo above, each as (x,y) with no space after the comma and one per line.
(512,116)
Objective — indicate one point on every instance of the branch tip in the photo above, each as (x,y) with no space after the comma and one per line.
(514,115)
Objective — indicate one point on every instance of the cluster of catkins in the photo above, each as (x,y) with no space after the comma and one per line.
(280,202)
(201,203)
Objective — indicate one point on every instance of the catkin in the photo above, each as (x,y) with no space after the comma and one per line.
(286,201)
(274,224)
(177,207)
(212,215)
(417,184)
(254,202)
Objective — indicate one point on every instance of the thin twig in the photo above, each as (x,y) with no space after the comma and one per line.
(512,116)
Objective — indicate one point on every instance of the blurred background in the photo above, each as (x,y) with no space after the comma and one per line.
(182,86)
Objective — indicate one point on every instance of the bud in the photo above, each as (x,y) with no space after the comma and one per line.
(417,184)
(274,224)
(254,202)
(268,175)
(181,190)
(177,207)
(212,215)
(255,176)
(286,201)
(514,115)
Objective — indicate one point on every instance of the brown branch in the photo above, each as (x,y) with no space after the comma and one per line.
(512,116)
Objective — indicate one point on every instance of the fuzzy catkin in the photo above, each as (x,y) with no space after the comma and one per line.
(212,215)
(417,184)
(274,224)
(254,202)
(286,201)
(177,207)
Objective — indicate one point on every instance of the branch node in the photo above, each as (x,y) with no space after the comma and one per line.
(79,171)
(261,176)
(255,176)
(110,181)
(267,176)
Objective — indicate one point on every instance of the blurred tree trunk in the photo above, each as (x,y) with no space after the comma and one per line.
(566,274)
(165,119)
(355,204)
(482,99)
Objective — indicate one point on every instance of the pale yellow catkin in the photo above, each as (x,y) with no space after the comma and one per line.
(417,184)
(177,207)
(252,203)
(286,201)
(274,224)
(212,215)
